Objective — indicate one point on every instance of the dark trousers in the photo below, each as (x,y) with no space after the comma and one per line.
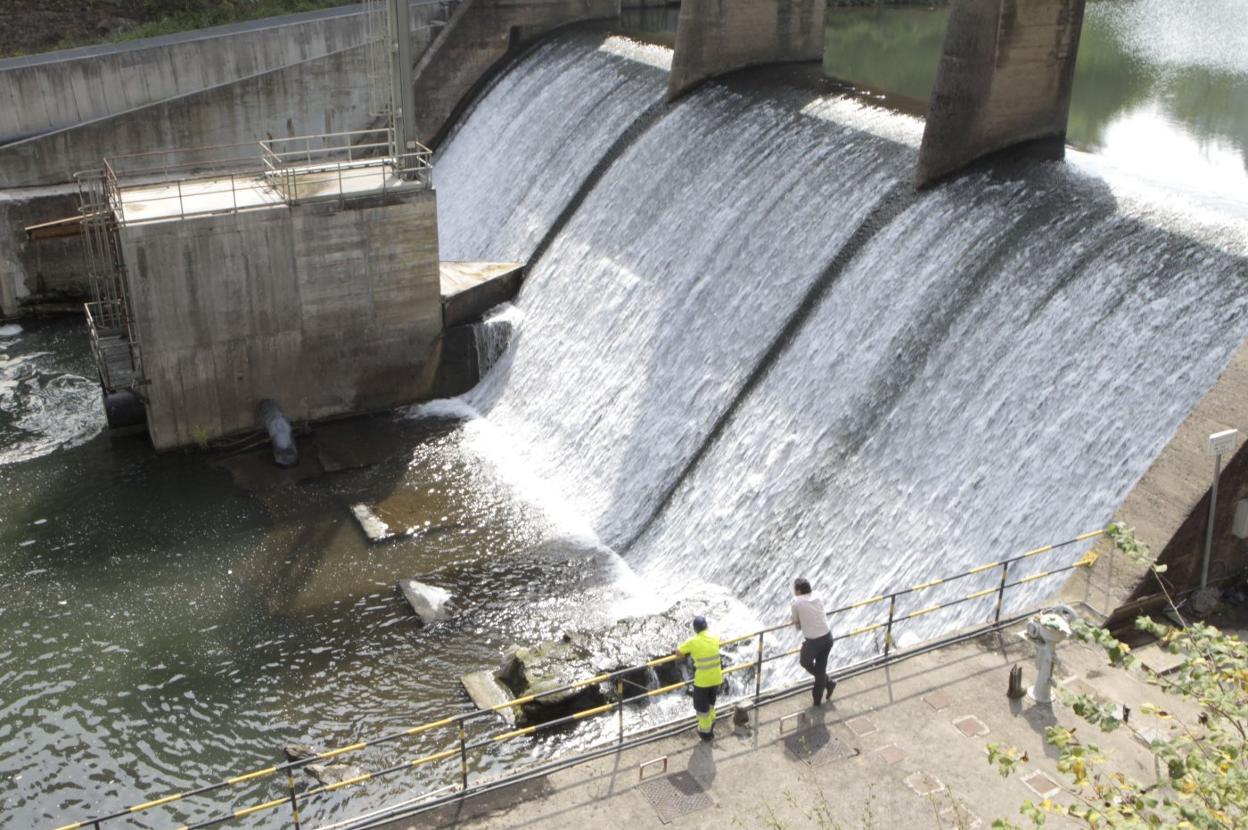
(814,659)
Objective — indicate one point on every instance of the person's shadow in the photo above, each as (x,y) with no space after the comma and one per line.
(702,764)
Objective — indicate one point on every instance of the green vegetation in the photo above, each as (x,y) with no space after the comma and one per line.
(1203,766)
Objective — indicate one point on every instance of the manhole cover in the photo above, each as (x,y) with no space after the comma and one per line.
(676,795)
(817,746)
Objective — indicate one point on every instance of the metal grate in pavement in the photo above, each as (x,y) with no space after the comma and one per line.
(676,795)
(816,745)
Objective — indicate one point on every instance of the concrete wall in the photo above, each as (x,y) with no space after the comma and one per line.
(48,270)
(1004,79)
(326,307)
(53,90)
(323,94)
(718,36)
(478,37)
(1169,506)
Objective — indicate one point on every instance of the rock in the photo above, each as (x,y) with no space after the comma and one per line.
(741,715)
(11,330)
(300,752)
(333,773)
(428,601)
(486,692)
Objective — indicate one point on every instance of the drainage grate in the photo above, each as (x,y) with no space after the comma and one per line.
(676,795)
(816,745)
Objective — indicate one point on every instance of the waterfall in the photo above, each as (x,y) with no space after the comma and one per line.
(751,352)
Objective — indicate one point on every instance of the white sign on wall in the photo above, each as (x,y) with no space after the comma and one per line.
(1223,443)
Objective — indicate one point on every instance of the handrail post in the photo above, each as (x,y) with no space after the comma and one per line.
(758,670)
(463,758)
(1005,569)
(181,207)
(294,802)
(619,691)
(888,628)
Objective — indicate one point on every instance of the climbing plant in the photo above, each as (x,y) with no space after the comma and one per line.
(1203,764)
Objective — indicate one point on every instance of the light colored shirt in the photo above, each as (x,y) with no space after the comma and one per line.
(808,615)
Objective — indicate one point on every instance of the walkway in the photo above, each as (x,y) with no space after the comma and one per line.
(898,747)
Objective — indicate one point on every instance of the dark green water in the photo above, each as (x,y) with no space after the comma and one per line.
(1161,88)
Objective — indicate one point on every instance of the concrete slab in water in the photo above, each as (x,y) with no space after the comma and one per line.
(469,289)
(428,601)
(374,527)
(486,692)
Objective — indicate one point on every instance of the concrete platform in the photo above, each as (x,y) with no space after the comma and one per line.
(167,200)
(469,289)
(898,747)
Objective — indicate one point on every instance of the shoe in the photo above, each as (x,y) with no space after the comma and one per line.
(827,692)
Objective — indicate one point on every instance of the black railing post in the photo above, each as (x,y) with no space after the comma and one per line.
(888,628)
(1005,569)
(758,671)
(294,802)
(463,758)
(619,691)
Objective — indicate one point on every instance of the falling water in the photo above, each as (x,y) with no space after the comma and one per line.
(753,351)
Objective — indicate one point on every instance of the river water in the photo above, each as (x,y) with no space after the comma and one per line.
(745,348)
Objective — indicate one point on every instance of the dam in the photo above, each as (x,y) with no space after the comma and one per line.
(744,345)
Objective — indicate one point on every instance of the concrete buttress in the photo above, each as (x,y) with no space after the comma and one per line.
(717,36)
(1004,79)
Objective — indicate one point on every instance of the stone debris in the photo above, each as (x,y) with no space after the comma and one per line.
(324,774)
(486,693)
(374,528)
(428,601)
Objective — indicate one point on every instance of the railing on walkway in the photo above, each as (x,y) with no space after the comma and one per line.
(229,178)
(460,746)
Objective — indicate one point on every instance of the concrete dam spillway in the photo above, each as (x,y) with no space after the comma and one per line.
(746,348)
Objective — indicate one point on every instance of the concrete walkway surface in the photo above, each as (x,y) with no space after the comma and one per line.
(897,747)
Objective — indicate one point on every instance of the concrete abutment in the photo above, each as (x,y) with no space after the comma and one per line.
(1004,80)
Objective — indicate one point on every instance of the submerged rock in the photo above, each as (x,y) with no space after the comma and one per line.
(323,773)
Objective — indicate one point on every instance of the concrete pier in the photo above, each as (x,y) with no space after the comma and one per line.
(479,36)
(1004,79)
(717,36)
(328,306)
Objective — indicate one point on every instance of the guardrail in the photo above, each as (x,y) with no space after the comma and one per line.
(229,178)
(461,746)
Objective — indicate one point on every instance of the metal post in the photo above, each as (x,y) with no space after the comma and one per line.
(234,192)
(619,691)
(1213,503)
(402,89)
(463,758)
(181,207)
(888,629)
(294,802)
(758,671)
(1005,569)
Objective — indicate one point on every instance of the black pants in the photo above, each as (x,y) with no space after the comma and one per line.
(814,659)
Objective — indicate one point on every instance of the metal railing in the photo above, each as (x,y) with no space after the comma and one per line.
(460,746)
(230,178)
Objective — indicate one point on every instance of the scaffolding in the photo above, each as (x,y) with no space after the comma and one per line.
(114,337)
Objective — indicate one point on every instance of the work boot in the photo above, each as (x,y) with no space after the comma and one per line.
(827,691)
(706,736)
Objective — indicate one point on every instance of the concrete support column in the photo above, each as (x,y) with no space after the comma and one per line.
(717,36)
(478,37)
(1004,79)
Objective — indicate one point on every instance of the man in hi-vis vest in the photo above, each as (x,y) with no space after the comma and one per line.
(708,675)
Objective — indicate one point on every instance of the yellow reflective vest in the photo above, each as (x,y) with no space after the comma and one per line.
(704,649)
